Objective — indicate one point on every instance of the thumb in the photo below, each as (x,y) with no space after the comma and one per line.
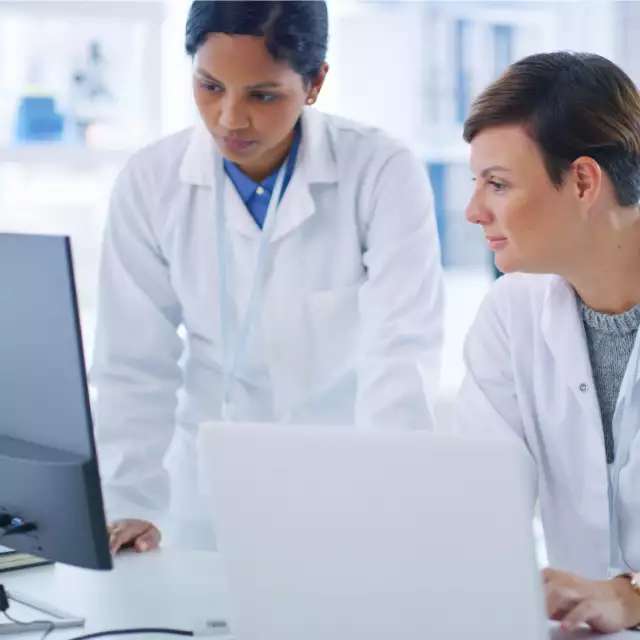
(585,613)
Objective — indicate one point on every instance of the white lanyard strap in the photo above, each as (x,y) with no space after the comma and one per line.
(231,357)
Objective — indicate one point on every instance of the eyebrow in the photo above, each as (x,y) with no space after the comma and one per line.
(252,87)
(492,169)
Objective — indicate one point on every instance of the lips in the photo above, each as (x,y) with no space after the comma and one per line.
(235,145)
(496,242)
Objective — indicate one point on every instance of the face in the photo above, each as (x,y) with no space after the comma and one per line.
(530,224)
(249,102)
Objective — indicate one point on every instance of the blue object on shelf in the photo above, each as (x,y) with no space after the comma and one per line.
(437,175)
(38,121)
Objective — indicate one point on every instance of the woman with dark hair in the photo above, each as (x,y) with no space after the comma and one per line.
(271,264)
(553,357)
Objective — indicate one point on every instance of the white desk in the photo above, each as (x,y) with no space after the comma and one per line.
(162,589)
(169,588)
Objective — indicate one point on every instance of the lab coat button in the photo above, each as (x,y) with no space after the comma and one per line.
(584,388)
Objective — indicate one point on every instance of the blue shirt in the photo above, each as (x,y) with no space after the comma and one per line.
(257,195)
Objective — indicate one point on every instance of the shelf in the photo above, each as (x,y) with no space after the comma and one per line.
(454,153)
(149,10)
(443,143)
(50,154)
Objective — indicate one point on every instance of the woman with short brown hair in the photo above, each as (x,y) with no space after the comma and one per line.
(553,357)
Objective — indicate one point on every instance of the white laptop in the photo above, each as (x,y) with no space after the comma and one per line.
(339,534)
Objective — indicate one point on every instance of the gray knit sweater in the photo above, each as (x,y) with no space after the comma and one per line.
(610,340)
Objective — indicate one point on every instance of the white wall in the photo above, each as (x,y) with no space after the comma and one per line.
(377,67)
(586,25)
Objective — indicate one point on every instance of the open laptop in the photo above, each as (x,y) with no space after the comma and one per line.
(339,534)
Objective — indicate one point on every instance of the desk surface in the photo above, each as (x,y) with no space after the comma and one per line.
(169,588)
(162,589)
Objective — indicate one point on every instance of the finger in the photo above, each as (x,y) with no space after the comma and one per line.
(148,541)
(122,537)
(586,612)
(117,528)
(561,600)
(549,575)
(116,542)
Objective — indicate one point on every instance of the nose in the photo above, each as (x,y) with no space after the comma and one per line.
(234,115)
(477,212)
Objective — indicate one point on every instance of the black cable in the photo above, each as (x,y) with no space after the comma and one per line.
(142,630)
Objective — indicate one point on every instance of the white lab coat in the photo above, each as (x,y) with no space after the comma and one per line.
(350,327)
(529,376)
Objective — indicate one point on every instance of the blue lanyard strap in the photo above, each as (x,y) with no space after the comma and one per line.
(232,355)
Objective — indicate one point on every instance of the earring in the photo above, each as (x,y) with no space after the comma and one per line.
(310,101)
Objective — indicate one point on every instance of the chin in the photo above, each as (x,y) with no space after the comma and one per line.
(522,266)
(238,157)
(506,262)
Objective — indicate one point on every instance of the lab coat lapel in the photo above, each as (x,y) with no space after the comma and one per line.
(198,163)
(564,334)
(199,167)
(297,205)
(315,164)
(238,217)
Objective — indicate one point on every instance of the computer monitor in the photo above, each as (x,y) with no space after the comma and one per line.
(50,495)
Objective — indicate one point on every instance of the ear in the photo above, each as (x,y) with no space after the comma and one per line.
(317,84)
(587,178)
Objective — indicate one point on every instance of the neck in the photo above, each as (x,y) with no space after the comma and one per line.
(262,167)
(608,278)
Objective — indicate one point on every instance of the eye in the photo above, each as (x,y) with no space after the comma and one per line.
(265,98)
(210,87)
(498,187)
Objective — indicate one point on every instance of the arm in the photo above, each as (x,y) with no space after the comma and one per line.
(401,301)
(487,403)
(607,606)
(135,367)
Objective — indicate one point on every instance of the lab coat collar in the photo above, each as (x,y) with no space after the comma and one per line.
(316,163)
(315,154)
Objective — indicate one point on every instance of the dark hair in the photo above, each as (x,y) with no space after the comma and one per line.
(571,105)
(295,31)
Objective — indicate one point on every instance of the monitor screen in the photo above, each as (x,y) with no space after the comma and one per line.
(50,496)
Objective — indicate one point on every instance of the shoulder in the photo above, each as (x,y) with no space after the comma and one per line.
(158,163)
(378,168)
(520,288)
(515,304)
(149,182)
(369,145)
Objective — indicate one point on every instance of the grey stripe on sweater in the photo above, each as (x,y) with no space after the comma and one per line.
(610,340)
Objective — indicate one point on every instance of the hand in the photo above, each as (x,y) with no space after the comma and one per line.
(141,535)
(606,606)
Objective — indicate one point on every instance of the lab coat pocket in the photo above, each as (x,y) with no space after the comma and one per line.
(333,321)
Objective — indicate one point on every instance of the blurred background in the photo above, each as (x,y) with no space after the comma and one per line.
(85,83)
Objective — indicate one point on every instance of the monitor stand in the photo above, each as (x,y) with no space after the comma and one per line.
(58,619)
